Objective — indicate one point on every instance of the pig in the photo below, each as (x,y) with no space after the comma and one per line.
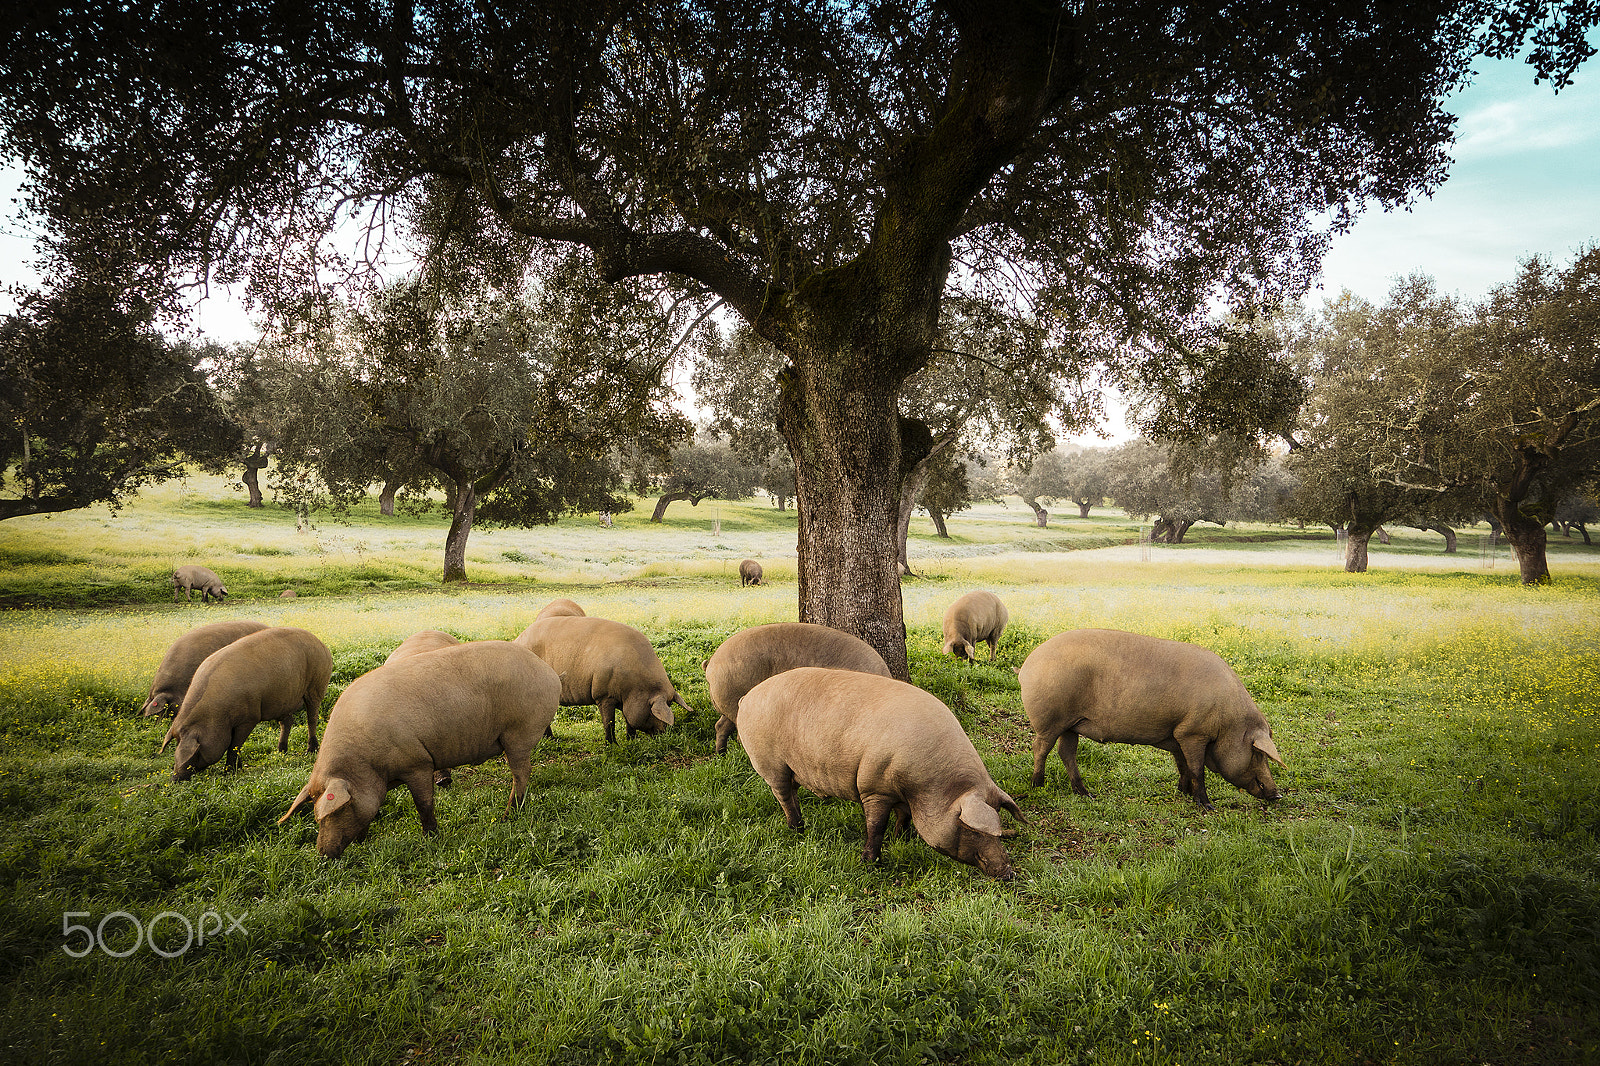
(184,658)
(416,643)
(265,676)
(752,655)
(408,719)
(977,616)
(749,573)
(889,746)
(607,664)
(185,579)
(1127,688)
(560,609)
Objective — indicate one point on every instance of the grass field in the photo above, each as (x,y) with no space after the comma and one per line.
(1428,891)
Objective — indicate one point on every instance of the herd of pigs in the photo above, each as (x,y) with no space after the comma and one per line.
(812,706)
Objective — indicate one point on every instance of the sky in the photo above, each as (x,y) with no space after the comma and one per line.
(1525,181)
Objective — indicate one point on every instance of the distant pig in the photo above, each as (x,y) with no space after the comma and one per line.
(1126,688)
(974,618)
(749,573)
(263,677)
(185,579)
(560,609)
(184,658)
(889,746)
(416,643)
(752,655)
(400,723)
(608,665)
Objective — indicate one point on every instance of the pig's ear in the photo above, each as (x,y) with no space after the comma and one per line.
(153,706)
(188,748)
(1263,743)
(978,815)
(305,794)
(172,731)
(663,711)
(334,795)
(1006,803)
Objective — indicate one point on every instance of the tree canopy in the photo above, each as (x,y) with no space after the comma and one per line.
(95,403)
(513,405)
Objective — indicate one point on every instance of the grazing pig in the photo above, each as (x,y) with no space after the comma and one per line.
(406,720)
(888,745)
(560,609)
(185,579)
(265,676)
(1126,688)
(977,616)
(609,665)
(416,643)
(752,655)
(749,573)
(184,658)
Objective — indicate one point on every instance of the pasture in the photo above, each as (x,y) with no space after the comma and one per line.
(1428,891)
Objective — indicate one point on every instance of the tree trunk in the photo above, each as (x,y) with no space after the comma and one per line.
(1041,517)
(391,485)
(938,523)
(1527,537)
(254,463)
(844,436)
(1355,549)
(1494,524)
(661,504)
(1382,535)
(463,511)
(1083,508)
(1179,531)
(1584,529)
(911,488)
(1444,531)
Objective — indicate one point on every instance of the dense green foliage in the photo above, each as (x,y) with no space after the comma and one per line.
(1425,893)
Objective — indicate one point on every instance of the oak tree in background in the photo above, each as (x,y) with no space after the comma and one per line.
(95,403)
(515,406)
(1362,362)
(702,469)
(829,172)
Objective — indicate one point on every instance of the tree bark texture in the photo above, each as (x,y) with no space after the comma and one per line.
(1528,542)
(1356,538)
(845,439)
(1041,517)
(391,485)
(1083,508)
(254,463)
(938,523)
(455,542)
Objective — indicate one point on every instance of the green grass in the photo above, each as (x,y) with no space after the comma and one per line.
(1425,893)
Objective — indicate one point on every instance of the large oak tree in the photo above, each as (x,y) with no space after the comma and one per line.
(829,171)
